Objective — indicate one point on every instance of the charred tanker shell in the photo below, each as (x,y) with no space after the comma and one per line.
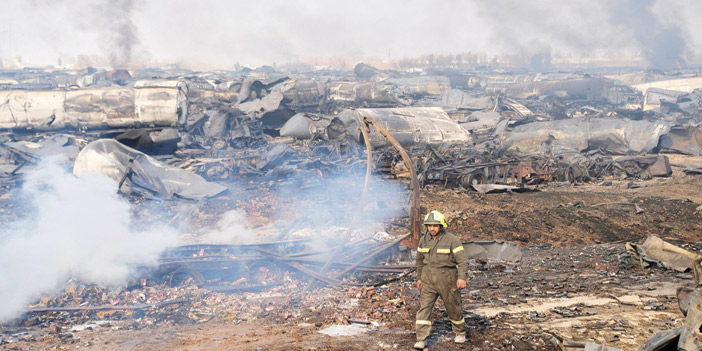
(93,108)
(410,126)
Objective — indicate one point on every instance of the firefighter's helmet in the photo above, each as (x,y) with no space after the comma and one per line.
(435,217)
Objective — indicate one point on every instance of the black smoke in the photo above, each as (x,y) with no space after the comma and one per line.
(119,34)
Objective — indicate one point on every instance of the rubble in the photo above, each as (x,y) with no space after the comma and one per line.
(548,268)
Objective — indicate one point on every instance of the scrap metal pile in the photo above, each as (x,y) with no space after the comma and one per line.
(175,134)
(463,127)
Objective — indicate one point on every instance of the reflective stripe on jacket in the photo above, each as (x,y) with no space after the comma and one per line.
(446,251)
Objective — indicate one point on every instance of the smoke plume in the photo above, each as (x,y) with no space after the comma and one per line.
(119,32)
(99,32)
(325,208)
(232,228)
(662,45)
(578,28)
(78,227)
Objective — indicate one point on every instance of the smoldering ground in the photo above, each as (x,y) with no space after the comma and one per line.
(326,207)
(76,227)
(316,208)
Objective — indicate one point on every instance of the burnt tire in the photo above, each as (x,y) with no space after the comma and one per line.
(264,273)
(475,178)
(185,277)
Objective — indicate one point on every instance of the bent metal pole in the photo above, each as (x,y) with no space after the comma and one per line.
(414,182)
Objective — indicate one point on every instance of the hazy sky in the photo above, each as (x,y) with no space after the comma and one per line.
(262,32)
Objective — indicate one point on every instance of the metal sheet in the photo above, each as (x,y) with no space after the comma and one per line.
(97,108)
(376,93)
(684,84)
(424,85)
(654,249)
(31,109)
(493,250)
(618,136)
(146,175)
(686,140)
(160,106)
(410,126)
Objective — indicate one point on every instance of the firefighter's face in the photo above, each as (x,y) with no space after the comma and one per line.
(433,228)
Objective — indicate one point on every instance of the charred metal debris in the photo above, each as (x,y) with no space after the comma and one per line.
(460,128)
(171,134)
(178,134)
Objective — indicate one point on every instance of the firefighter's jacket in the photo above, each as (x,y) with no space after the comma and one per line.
(444,252)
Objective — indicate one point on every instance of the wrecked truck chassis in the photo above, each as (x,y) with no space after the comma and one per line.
(521,173)
(246,267)
(222,267)
(231,268)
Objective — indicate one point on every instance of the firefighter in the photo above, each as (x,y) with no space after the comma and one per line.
(442,266)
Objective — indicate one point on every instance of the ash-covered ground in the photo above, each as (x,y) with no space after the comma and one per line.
(574,283)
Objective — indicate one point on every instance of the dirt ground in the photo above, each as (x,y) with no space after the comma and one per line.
(573,282)
(568,215)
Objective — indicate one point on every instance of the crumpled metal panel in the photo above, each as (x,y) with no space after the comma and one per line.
(379,93)
(268,103)
(618,136)
(654,249)
(301,93)
(661,341)
(461,100)
(645,166)
(654,96)
(424,85)
(689,339)
(144,174)
(159,106)
(410,126)
(686,140)
(99,107)
(31,109)
(493,250)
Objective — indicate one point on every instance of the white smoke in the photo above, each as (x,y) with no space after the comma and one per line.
(326,209)
(232,228)
(78,227)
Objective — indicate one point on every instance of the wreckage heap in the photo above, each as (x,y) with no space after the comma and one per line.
(261,139)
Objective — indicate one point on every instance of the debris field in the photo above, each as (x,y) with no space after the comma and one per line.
(295,201)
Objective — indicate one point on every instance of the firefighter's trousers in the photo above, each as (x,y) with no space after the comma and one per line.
(439,282)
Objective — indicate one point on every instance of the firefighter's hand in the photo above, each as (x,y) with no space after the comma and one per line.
(419,284)
(461,284)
